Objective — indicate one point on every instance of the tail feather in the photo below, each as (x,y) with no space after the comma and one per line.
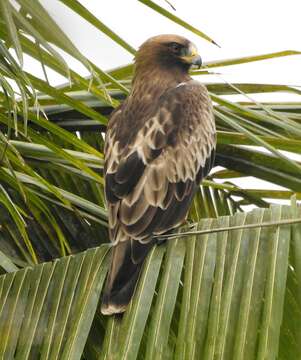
(126,264)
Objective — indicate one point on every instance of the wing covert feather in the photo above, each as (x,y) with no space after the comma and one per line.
(151,178)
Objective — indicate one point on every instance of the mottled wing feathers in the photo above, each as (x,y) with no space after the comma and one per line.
(151,179)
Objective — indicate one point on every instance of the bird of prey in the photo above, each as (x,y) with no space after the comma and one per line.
(160,143)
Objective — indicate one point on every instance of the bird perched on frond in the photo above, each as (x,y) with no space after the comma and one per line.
(160,143)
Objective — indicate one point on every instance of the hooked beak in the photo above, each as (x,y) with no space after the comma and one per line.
(192,57)
(197,60)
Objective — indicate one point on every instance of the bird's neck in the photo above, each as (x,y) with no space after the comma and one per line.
(154,81)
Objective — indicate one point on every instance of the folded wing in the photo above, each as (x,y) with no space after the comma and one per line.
(150,182)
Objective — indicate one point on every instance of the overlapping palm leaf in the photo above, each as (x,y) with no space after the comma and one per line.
(52,143)
(52,205)
(230,292)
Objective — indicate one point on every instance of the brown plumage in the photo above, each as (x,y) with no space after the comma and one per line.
(160,144)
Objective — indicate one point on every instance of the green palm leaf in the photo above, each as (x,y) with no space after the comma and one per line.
(221,294)
(48,310)
(214,293)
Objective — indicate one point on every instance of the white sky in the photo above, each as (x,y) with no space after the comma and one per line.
(242,28)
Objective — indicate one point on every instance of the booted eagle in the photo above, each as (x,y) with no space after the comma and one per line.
(160,144)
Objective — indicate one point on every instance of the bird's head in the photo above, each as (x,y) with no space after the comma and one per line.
(168,51)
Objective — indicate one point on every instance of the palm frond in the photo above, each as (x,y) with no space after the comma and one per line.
(224,294)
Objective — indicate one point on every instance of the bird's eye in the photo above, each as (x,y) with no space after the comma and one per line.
(175,47)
